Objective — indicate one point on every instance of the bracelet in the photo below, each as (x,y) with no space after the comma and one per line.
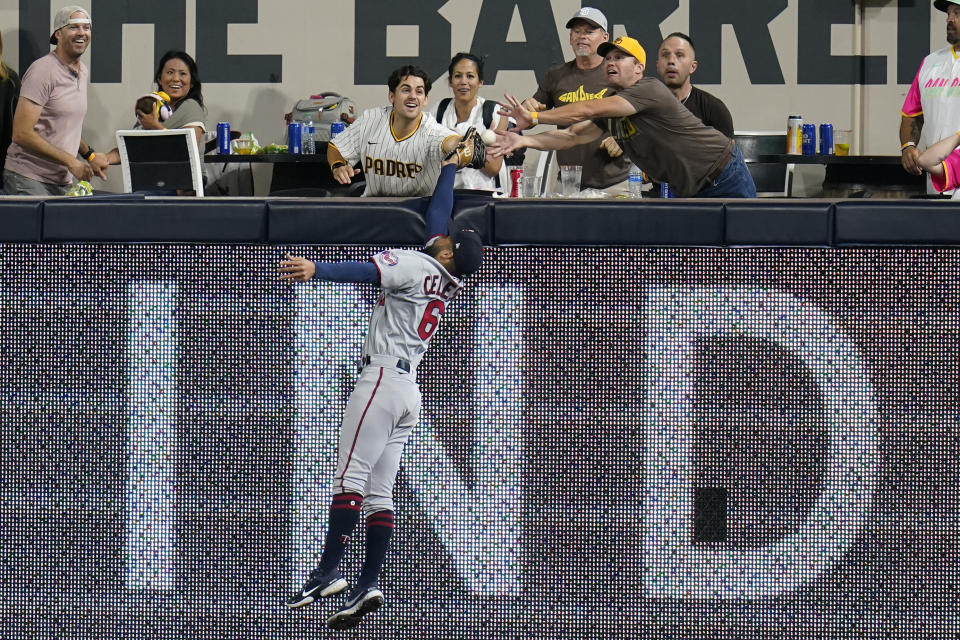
(337,164)
(88,154)
(535,117)
(91,156)
(910,143)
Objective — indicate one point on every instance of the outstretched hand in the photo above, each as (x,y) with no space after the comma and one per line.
(296,268)
(514,109)
(507,142)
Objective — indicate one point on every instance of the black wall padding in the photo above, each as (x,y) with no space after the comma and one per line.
(909,222)
(590,222)
(477,213)
(173,220)
(347,221)
(20,220)
(779,224)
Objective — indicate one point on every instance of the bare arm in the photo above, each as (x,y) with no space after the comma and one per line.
(492,167)
(910,129)
(580,133)
(933,155)
(25,135)
(612,107)
(342,172)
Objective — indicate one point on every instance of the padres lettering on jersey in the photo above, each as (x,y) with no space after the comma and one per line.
(416,289)
(393,166)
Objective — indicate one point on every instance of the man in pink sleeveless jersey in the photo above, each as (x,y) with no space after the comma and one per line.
(931,110)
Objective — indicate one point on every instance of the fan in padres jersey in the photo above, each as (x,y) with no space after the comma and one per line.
(399,146)
(385,403)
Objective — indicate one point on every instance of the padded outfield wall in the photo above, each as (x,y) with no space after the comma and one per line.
(616,442)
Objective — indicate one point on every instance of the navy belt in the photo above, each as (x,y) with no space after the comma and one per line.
(401,364)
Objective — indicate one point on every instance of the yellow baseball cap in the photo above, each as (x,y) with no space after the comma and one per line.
(626,44)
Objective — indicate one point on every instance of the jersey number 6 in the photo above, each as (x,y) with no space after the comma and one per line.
(431,319)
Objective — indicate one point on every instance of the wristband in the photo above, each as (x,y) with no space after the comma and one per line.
(338,164)
(535,117)
(910,143)
(91,156)
(88,154)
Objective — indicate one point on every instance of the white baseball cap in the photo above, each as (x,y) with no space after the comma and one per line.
(944,4)
(593,16)
(63,18)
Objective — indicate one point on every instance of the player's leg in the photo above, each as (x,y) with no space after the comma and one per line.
(366,596)
(364,432)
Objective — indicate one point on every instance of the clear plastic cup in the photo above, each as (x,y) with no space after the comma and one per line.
(570,179)
(841,142)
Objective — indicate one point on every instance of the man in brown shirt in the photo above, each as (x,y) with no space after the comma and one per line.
(583,78)
(655,131)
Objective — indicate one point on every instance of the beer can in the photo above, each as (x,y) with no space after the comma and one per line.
(223,138)
(294,136)
(809,140)
(336,128)
(794,135)
(515,174)
(666,191)
(826,139)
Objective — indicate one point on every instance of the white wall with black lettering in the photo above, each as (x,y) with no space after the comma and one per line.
(831,61)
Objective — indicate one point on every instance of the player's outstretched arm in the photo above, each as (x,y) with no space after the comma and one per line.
(296,268)
(301,269)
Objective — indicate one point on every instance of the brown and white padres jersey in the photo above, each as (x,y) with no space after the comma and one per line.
(415,292)
(396,167)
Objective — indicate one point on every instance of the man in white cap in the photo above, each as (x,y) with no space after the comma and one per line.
(583,78)
(47,153)
(932,106)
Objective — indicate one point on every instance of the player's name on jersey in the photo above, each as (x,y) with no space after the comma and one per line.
(431,287)
(580,95)
(391,168)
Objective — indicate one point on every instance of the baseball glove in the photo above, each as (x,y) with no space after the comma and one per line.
(471,152)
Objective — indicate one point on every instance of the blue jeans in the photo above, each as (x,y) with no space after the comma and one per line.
(734,181)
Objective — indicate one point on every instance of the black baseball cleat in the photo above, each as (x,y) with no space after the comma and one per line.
(319,585)
(362,601)
(470,151)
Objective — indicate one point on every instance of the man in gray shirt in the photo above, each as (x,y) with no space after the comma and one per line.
(583,78)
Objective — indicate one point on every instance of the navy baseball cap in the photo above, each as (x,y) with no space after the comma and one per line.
(467,248)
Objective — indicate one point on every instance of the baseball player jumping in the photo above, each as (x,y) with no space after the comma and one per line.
(399,147)
(385,403)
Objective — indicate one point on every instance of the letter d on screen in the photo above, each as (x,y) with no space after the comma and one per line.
(675,319)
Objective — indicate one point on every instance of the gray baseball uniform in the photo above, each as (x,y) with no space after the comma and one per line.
(385,403)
